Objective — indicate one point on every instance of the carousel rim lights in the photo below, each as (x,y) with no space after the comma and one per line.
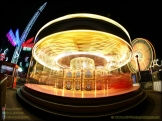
(85,15)
(57,57)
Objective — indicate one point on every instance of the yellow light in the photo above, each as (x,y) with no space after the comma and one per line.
(74,42)
(85,15)
(77,53)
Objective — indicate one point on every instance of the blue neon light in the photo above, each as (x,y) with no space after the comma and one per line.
(17,37)
(25,33)
(14,40)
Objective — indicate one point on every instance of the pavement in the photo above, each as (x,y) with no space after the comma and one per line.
(17,110)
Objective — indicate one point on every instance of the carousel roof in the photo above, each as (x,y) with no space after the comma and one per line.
(59,41)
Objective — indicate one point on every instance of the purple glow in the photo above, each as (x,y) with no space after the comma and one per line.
(11,37)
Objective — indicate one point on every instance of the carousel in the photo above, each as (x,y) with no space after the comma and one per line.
(77,59)
(77,63)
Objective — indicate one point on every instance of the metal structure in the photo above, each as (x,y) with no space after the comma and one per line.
(145,52)
(18,49)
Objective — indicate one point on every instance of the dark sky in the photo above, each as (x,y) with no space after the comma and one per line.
(141,19)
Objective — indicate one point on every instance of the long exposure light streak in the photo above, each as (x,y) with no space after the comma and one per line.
(18,49)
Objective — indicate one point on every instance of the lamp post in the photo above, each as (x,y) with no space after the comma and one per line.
(139,77)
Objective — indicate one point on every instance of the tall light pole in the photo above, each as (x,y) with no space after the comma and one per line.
(139,76)
(18,48)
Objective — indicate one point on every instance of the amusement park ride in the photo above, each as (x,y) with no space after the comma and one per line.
(87,76)
(82,70)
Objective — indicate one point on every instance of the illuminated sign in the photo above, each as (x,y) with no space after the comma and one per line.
(6,69)
(26,59)
(20,64)
(6,59)
(27,46)
(26,49)
(5,51)
(3,55)
(14,40)
(27,64)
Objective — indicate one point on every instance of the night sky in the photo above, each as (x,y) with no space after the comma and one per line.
(141,19)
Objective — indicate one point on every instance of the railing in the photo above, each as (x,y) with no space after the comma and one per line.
(2,78)
(3,86)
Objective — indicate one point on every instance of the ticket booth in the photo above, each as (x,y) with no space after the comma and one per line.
(11,70)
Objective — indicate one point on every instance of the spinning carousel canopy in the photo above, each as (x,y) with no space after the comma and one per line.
(82,35)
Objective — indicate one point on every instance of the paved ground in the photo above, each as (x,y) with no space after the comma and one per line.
(17,110)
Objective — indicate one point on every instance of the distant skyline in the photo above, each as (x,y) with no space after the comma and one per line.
(141,19)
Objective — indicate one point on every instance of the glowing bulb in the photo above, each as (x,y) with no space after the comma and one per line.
(20,69)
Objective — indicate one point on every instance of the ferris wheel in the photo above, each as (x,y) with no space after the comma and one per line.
(144,50)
